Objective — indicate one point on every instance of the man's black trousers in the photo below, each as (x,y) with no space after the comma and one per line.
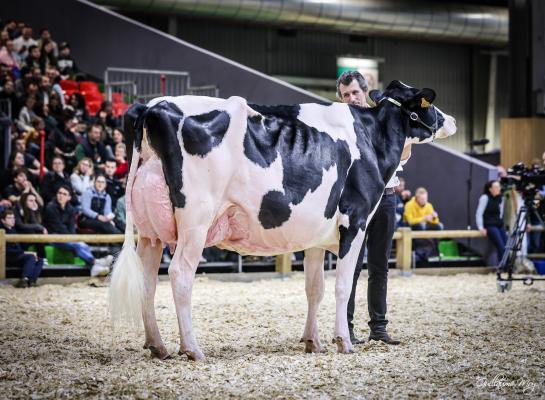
(379,243)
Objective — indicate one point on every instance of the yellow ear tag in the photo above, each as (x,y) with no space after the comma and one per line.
(424,103)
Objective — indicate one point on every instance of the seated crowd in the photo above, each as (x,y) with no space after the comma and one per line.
(80,187)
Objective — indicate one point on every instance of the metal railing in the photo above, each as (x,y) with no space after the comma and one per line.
(145,84)
(283,264)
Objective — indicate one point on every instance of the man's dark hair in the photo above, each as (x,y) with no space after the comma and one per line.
(42,30)
(96,125)
(32,47)
(19,171)
(65,187)
(346,79)
(6,212)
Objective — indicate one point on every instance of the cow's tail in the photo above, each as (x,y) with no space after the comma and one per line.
(127,283)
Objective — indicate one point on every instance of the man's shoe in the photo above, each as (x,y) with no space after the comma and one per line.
(99,270)
(383,337)
(354,339)
(23,283)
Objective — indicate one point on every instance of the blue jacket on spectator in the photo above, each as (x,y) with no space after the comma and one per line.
(94,203)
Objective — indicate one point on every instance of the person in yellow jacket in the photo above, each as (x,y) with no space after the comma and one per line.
(419,213)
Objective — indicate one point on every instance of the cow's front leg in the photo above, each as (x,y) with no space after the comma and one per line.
(343,287)
(182,269)
(314,287)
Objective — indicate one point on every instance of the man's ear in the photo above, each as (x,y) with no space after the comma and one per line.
(376,96)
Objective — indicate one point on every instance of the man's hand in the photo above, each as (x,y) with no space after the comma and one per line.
(103,218)
(32,253)
(483,231)
(428,217)
(434,214)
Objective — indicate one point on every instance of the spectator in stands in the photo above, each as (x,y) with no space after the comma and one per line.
(23,43)
(29,262)
(402,196)
(113,140)
(105,116)
(20,185)
(34,60)
(44,92)
(17,161)
(93,148)
(28,219)
(121,213)
(96,205)
(37,74)
(56,108)
(4,38)
(45,36)
(8,56)
(113,185)
(77,102)
(55,79)
(489,216)
(419,213)
(47,55)
(31,162)
(122,166)
(11,28)
(83,177)
(27,113)
(5,204)
(67,65)
(8,93)
(59,217)
(54,179)
(63,143)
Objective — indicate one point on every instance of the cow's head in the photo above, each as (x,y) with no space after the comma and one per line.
(422,121)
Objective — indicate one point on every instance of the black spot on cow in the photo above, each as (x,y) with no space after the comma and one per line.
(305,154)
(201,133)
(133,133)
(274,208)
(380,144)
(162,122)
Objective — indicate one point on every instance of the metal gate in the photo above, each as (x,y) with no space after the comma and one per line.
(144,84)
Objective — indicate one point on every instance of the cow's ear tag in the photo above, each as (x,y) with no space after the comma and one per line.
(424,103)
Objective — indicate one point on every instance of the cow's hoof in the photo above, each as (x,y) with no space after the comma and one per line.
(192,355)
(312,346)
(344,346)
(159,352)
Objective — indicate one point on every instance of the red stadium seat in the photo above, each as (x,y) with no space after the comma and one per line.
(68,84)
(88,86)
(119,108)
(117,97)
(93,106)
(93,96)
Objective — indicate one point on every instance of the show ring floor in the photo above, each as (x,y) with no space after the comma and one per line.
(461,338)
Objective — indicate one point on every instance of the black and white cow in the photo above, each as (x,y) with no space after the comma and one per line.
(259,180)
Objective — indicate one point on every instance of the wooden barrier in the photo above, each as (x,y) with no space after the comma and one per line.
(403,237)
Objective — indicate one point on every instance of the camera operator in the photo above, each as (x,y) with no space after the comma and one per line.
(489,216)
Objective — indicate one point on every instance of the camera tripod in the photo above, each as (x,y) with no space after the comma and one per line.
(513,246)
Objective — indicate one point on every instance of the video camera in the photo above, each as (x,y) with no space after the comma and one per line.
(527,181)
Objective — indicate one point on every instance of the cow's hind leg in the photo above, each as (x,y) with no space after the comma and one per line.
(192,230)
(314,287)
(343,286)
(151,257)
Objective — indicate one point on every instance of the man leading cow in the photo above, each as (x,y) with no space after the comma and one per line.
(352,89)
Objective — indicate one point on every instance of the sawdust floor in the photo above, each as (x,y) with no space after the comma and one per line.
(461,338)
